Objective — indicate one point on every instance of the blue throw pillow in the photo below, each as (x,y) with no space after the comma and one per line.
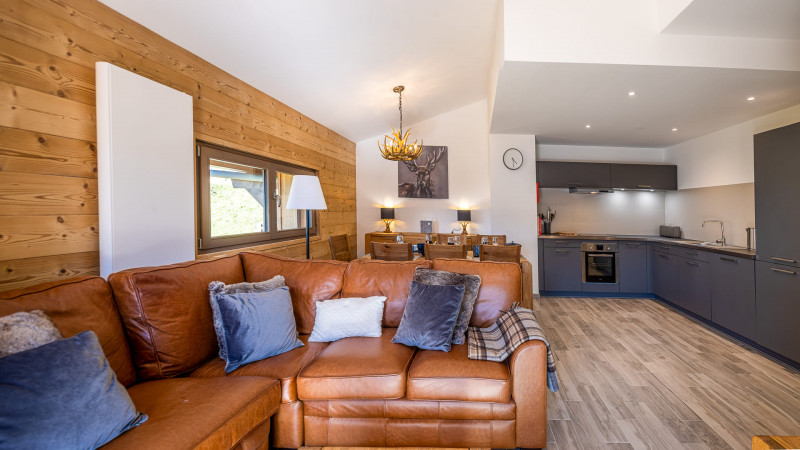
(430,316)
(62,395)
(254,325)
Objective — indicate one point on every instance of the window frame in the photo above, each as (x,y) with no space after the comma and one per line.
(208,244)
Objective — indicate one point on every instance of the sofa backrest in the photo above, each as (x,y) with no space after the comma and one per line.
(77,305)
(389,278)
(167,315)
(501,286)
(308,280)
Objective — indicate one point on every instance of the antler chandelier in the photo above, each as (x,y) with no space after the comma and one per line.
(396,147)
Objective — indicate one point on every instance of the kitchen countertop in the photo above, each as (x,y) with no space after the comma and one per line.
(740,252)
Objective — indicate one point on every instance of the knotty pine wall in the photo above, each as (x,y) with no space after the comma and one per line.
(48,163)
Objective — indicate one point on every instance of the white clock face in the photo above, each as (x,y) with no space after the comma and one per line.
(512,158)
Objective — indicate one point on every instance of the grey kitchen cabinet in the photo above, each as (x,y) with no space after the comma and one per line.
(562,269)
(634,270)
(778,308)
(644,176)
(776,163)
(694,286)
(665,276)
(563,174)
(733,294)
(561,243)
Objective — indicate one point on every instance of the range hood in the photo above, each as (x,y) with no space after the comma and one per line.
(590,191)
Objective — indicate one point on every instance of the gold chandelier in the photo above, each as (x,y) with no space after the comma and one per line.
(396,147)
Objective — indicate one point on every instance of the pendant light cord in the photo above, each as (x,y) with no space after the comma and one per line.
(401,112)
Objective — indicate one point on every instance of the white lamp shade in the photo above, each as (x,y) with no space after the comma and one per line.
(306,193)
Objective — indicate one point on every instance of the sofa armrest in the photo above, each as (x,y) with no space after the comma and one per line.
(528,366)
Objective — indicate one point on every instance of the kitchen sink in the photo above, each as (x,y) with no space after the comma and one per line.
(710,244)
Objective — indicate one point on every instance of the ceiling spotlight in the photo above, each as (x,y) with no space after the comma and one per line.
(674,129)
(631,93)
(588,126)
(751,99)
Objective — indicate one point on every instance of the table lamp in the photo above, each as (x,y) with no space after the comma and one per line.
(465,217)
(306,193)
(387,215)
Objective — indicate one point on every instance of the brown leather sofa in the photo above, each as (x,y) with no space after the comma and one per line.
(158,334)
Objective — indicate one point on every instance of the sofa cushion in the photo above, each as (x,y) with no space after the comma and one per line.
(308,281)
(77,305)
(348,317)
(202,413)
(25,330)
(501,286)
(430,316)
(392,279)
(167,316)
(471,283)
(284,367)
(453,376)
(357,367)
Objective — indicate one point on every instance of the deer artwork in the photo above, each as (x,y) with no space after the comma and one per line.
(422,168)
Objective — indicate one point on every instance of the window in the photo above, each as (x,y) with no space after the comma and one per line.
(242,199)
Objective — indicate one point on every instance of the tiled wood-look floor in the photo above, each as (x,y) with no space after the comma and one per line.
(635,374)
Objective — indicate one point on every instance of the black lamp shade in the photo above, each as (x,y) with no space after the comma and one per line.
(464,215)
(387,213)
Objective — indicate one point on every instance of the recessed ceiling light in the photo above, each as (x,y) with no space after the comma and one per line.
(674,129)
(588,126)
(751,99)
(631,93)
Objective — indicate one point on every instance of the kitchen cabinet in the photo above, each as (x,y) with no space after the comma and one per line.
(644,176)
(665,276)
(733,294)
(634,271)
(777,184)
(778,308)
(562,270)
(563,174)
(694,286)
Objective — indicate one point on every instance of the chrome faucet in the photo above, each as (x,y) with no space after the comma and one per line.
(722,226)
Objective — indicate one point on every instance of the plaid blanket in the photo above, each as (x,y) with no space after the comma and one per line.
(509,331)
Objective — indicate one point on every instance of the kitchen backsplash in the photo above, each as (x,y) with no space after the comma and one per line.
(734,204)
(621,212)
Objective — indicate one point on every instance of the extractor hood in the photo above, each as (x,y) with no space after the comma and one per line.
(590,191)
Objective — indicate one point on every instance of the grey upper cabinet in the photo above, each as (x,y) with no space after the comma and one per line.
(633,267)
(777,183)
(778,309)
(733,294)
(644,176)
(562,269)
(562,174)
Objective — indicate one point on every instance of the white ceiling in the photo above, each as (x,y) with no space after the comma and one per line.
(555,101)
(337,61)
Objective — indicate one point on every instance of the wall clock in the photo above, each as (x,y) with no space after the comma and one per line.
(512,158)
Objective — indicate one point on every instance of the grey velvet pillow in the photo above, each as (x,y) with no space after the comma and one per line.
(430,316)
(62,395)
(471,283)
(26,330)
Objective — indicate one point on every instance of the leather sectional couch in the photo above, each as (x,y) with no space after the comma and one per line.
(155,326)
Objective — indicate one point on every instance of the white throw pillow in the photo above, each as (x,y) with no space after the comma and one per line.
(348,317)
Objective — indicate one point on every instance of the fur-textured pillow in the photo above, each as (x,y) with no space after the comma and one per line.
(26,330)
(471,283)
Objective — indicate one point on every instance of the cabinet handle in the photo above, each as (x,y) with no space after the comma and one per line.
(692,263)
(562,251)
(644,186)
(692,253)
(783,271)
(662,247)
(777,258)
(633,244)
(562,242)
(664,256)
(729,259)
(574,184)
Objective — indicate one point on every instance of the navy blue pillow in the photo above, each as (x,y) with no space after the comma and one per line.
(254,325)
(430,316)
(62,395)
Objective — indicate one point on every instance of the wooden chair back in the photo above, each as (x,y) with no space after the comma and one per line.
(433,251)
(441,238)
(501,239)
(391,252)
(384,238)
(340,249)
(507,253)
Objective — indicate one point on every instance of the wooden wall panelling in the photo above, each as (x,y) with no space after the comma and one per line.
(48,164)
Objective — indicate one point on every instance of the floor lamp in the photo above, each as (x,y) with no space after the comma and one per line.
(306,193)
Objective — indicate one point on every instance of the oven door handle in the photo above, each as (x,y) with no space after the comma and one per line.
(600,255)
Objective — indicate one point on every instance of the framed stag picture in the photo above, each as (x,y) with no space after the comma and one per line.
(424,177)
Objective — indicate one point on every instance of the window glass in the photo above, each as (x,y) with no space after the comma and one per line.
(287,219)
(236,199)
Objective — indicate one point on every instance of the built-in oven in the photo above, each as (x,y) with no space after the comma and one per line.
(600,264)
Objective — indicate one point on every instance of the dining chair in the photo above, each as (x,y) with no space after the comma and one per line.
(340,249)
(391,252)
(433,251)
(384,238)
(442,238)
(508,253)
(501,239)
